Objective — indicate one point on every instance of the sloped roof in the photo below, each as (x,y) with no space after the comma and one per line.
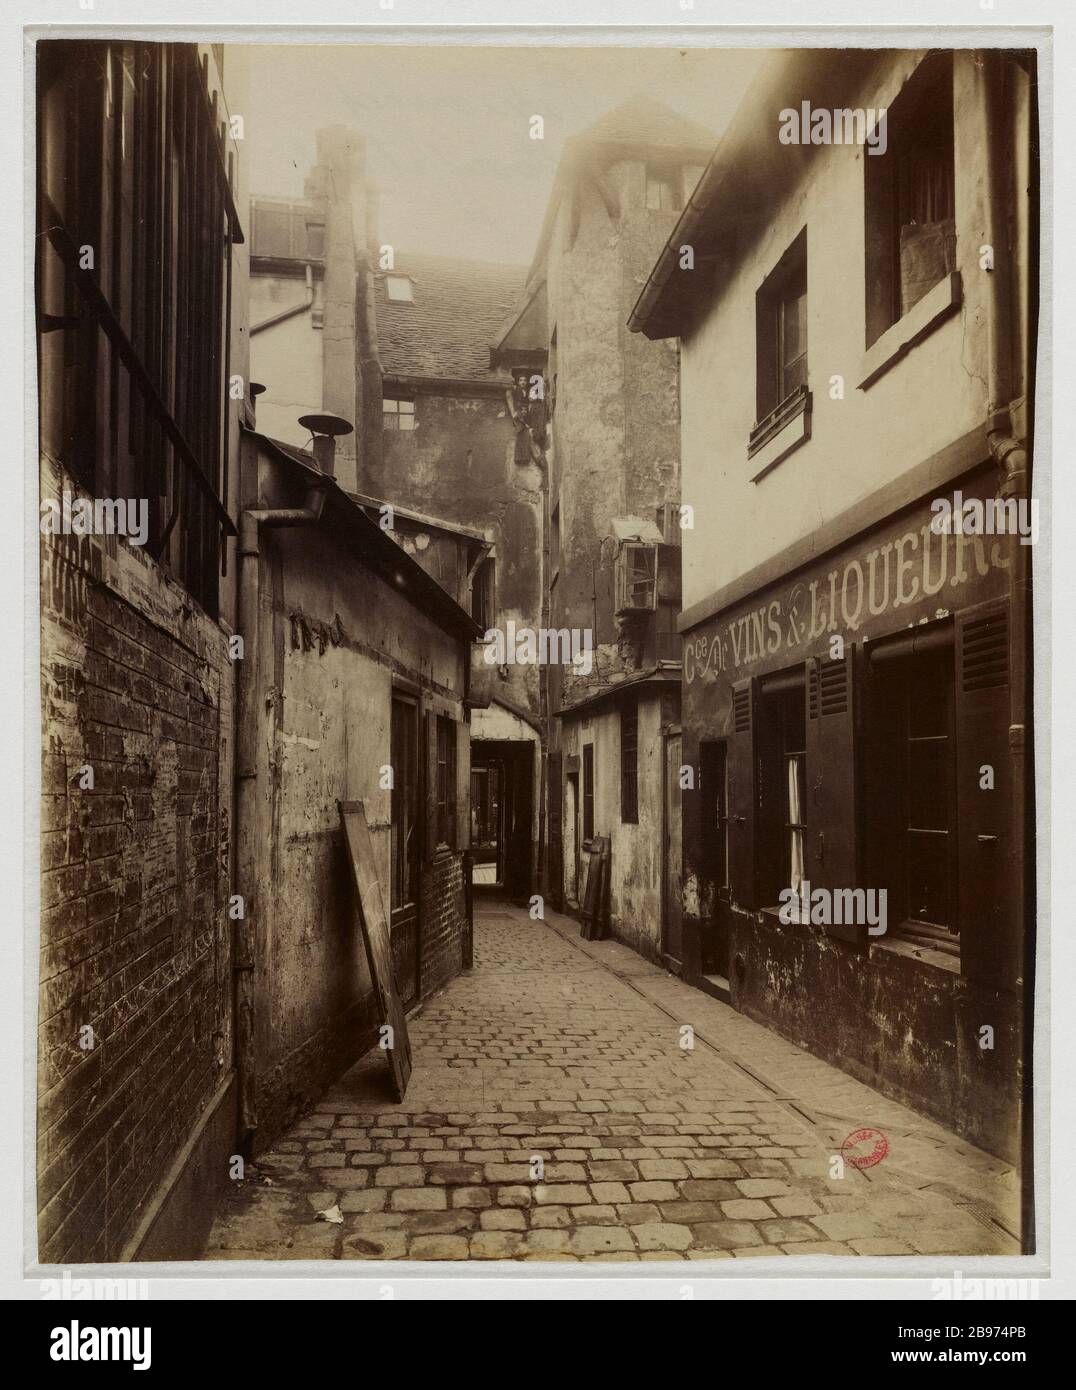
(643,121)
(641,124)
(458,310)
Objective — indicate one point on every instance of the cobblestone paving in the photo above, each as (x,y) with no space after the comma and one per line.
(554,1115)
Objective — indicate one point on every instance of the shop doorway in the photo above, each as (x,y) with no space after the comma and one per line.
(714,800)
(571,839)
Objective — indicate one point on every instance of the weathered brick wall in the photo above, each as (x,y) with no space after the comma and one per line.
(444,921)
(135,684)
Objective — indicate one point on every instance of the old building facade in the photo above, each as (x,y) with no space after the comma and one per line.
(136,1031)
(855,674)
(232,645)
(353,687)
(613,519)
(413,356)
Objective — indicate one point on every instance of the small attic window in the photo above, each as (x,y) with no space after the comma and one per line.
(400,288)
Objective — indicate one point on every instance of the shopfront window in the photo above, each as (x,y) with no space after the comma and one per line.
(783,804)
(912,792)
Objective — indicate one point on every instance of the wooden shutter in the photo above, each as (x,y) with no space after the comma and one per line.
(743,793)
(830,841)
(987,840)
(463,785)
(430,844)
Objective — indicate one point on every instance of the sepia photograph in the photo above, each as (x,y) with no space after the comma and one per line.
(537,548)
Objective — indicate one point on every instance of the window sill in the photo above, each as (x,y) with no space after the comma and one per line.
(918,323)
(779,434)
(924,955)
(772,916)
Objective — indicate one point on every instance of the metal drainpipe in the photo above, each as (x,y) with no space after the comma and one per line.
(1009,449)
(248,724)
(1006,447)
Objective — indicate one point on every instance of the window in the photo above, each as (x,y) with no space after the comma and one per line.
(403,754)
(913,788)
(588,791)
(783,771)
(781,332)
(629,762)
(482,594)
(636,577)
(663,185)
(445,788)
(400,289)
(397,414)
(910,198)
(667,520)
(133,349)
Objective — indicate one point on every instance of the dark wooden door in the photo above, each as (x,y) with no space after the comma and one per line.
(672,875)
(405,846)
(715,843)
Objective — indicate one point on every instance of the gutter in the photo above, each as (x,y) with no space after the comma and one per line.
(682,234)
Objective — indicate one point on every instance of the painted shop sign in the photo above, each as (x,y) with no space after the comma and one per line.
(910,576)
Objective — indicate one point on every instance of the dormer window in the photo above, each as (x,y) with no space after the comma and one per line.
(400,289)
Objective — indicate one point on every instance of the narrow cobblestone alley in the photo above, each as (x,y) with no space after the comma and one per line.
(570,1052)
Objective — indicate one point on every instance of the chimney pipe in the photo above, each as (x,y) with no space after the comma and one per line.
(325,453)
(325,430)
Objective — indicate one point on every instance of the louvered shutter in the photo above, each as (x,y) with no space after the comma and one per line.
(831,858)
(743,794)
(987,841)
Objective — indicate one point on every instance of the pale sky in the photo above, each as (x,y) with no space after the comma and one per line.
(447,128)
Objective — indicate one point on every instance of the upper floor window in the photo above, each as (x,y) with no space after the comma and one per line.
(629,762)
(781,330)
(636,572)
(664,184)
(483,603)
(400,288)
(137,221)
(910,198)
(397,414)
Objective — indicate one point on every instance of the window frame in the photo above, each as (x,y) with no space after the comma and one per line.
(898,683)
(395,278)
(445,781)
(774,753)
(629,761)
(145,354)
(588,792)
(786,283)
(927,99)
(393,415)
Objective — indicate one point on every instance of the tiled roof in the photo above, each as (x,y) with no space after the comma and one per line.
(459,307)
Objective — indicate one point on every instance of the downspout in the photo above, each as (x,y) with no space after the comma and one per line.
(286,314)
(248,724)
(540,456)
(1007,439)
(1005,430)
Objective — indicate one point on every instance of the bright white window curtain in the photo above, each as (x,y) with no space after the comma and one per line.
(795,817)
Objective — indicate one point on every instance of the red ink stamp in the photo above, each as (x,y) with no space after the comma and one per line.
(865,1147)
